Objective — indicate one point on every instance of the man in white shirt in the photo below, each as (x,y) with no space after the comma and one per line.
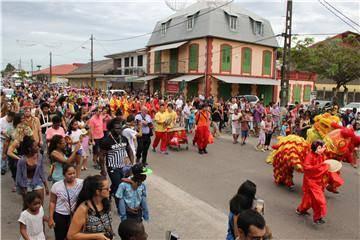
(6,125)
(186,113)
(130,133)
(179,103)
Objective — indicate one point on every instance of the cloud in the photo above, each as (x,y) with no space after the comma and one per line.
(62,26)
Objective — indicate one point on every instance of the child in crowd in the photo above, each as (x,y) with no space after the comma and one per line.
(132,195)
(32,218)
(244,127)
(191,119)
(261,143)
(284,128)
(75,135)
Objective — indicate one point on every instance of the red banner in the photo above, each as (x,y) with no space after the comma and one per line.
(172,87)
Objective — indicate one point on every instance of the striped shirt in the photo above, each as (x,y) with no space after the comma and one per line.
(116,151)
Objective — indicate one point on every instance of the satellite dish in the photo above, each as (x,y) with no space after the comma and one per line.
(215,3)
(176,5)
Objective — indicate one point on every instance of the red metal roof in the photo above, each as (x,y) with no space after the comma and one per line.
(59,69)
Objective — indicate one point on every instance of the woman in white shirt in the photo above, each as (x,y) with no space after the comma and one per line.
(63,197)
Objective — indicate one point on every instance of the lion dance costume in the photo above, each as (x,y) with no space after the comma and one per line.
(290,151)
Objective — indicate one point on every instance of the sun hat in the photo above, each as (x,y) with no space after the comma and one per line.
(334,165)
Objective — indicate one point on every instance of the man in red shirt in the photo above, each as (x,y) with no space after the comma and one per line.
(313,183)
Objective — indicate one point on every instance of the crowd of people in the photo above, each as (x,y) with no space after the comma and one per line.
(65,128)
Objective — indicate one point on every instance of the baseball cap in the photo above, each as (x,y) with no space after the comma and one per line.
(139,169)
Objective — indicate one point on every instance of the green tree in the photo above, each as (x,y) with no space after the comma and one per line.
(334,59)
(8,70)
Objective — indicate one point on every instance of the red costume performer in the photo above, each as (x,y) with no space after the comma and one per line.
(202,132)
(313,183)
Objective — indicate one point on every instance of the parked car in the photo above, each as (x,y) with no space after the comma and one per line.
(117,91)
(350,106)
(324,105)
(9,92)
(252,99)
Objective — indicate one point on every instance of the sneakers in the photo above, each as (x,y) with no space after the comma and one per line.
(201,151)
(302,213)
(153,149)
(319,221)
(204,151)
(165,153)
(291,188)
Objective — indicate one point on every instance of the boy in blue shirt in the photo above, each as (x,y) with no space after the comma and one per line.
(133,196)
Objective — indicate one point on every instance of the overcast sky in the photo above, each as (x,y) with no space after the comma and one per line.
(31,29)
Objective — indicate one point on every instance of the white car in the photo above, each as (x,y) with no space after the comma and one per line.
(350,106)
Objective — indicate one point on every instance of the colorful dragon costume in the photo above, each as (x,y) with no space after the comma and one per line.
(290,151)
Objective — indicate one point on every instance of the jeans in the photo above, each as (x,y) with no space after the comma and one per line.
(143,146)
(115,174)
(4,163)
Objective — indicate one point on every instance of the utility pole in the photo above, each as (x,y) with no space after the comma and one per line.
(285,68)
(32,68)
(50,72)
(92,61)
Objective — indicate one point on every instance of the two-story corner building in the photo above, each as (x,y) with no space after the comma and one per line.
(223,51)
(131,65)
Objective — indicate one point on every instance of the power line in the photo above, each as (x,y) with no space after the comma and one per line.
(342,13)
(338,16)
(72,50)
(177,24)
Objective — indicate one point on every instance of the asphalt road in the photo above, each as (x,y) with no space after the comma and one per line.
(213,179)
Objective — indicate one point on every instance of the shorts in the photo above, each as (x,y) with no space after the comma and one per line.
(235,130)
(30,187)
(96,147)
(244,133)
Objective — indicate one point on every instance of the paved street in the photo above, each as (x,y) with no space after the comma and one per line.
(189,193)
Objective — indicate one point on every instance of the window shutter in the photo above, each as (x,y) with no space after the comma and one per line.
(157,61)
(193,65)
(247,61)
(307,92)
(267,63)
(225,58)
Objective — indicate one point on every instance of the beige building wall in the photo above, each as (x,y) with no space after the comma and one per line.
(236,55)
(183,58)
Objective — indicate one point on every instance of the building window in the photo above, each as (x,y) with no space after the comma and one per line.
(226,58)
(132,61)
(257,27)
(246,60)
(157,66)
(233,22)
(190,22)
(164,27)
(140,60)
(119,61)
(193,57)
(126,62)
(307,92)
(267,63)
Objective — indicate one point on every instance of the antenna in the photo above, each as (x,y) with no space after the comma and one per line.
(176,5)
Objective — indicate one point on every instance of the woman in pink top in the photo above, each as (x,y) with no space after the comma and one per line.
(55,129)
(96,125)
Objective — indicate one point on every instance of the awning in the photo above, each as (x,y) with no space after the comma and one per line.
(168,46)
(145,78)
(186,78)
(247,80)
